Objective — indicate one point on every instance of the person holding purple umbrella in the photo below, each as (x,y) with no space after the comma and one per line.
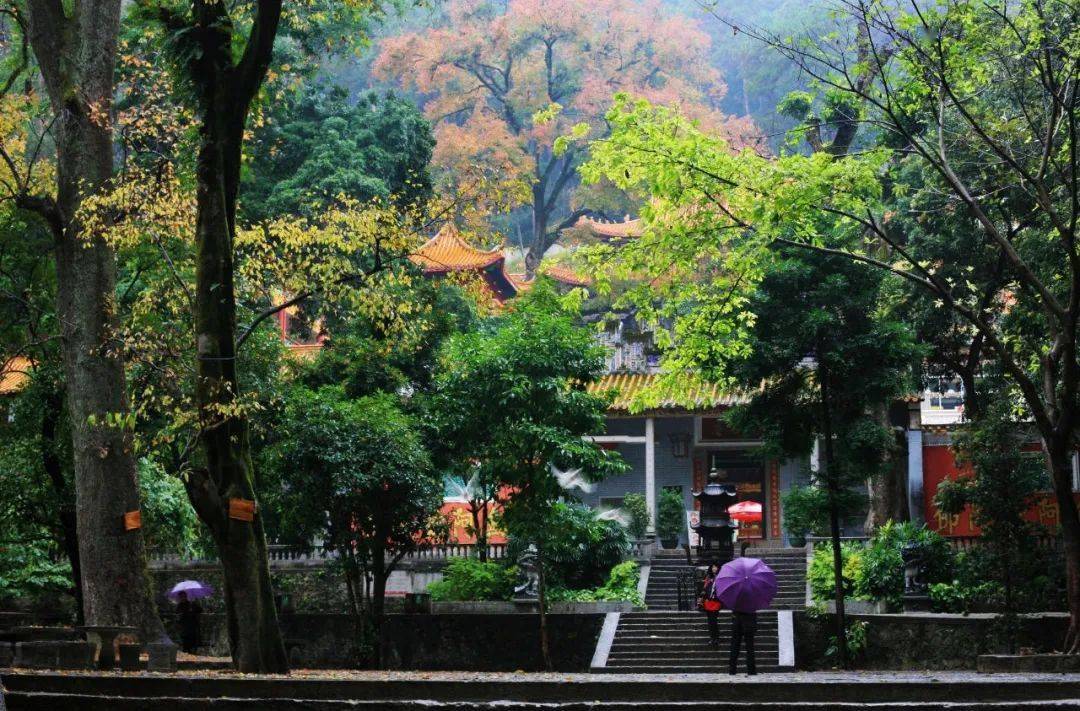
(744,585)
(190,613)
(185,594)
(743,629)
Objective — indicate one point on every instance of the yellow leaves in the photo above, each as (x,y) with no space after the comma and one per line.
(140,205)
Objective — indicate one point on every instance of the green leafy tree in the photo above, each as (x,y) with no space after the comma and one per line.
(947,86)
(318,146)
(1001,489)
(580,549)
(356,474)
(512,396)
(221,54)
(827,356)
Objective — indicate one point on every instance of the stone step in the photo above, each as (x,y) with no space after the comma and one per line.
(638,689)
(715,662)
(688,627)
(681,646)
(648,615)
(699,669)
(702,648)
(60,702)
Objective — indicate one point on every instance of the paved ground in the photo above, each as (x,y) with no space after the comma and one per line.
(867,677)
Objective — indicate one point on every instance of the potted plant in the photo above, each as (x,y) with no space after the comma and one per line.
(670,518)
(638,511)
(806,510)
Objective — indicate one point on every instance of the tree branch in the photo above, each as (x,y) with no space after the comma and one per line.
(255,61)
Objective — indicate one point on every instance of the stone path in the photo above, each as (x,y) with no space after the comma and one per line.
(472,691)
(522,677)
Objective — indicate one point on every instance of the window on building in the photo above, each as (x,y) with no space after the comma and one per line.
(607,503)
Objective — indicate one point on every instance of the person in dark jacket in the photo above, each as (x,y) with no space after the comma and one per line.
(743,628)
(189,613)
(711,605)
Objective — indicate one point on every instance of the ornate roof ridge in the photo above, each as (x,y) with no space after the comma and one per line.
(448,251)
(629,227)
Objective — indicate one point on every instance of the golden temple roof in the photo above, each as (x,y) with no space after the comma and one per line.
(447,251)
(626,229)
(692,395)
(564,274)
(14,375)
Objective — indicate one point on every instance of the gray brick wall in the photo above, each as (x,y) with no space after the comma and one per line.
(670,470)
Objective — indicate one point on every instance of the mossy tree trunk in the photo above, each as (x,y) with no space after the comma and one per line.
(225,89)
(75,46)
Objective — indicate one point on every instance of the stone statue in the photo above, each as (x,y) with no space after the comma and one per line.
(914,557)
(528,563)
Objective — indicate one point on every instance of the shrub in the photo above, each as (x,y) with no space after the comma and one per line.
(579,549)
(621,585)
(856,642)
(471,579)
(671,516)
(820,574)
(958,597)
(638,510)
(881,570)
(806,511)
(975,582)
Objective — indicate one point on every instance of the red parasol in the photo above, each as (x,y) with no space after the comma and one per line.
(745,511)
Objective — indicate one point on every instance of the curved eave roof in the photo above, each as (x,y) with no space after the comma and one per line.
(448,252)
(626,229)
(692,396)
(14,375)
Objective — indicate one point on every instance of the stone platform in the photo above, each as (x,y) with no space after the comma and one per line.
(437,691)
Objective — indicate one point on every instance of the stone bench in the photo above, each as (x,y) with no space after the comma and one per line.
(54,655)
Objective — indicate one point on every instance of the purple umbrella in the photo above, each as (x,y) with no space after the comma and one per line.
(194,589)
(745,585)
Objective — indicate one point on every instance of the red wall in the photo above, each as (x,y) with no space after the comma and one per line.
(938,465)
(461,519)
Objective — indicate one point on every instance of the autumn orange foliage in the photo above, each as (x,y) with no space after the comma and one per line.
(502,81)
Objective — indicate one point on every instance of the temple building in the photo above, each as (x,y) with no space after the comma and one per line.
(447,254)
(676,443)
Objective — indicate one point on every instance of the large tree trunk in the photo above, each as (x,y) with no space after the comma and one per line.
(225,92)
(538,238)
(249,599)
(1059,461)
(77,56)
(887,489)
(378,602)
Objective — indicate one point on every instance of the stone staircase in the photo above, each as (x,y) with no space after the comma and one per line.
(789,564)
(678,642)
(662,590)
(663,639)
(790,567)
